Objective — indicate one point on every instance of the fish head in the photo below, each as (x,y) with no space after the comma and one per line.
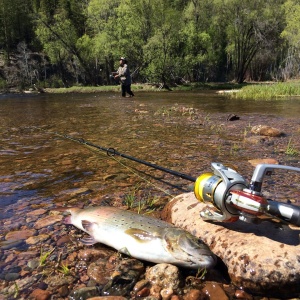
(188,249)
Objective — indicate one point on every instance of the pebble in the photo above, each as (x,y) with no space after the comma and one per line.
(165,275)
(37,239)
(215,291)
(33,264)
(195,294)
(20,234)
(47,221)
(12,276)
(84,293)
(37,212)
(39,294)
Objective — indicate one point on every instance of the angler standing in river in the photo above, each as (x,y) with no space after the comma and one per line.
(123,74)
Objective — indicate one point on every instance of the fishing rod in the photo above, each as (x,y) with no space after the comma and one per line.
(232,197)
(114,152)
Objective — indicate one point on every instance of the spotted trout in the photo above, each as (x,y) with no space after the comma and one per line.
(142,237)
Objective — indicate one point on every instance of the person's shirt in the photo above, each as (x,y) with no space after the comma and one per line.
(124,74)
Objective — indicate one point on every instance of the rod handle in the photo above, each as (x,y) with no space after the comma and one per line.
(286,212)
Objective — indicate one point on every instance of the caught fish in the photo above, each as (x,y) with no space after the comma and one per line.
(142,237)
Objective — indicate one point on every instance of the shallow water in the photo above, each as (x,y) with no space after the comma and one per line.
(177,130)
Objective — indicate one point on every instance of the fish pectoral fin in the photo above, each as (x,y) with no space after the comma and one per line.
(88,241)
(87,225)
(141,235)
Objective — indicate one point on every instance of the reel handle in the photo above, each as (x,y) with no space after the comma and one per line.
(263,170)
(287,212)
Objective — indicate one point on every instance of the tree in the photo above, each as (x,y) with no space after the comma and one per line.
(291,34)
(250,28)
(162,51)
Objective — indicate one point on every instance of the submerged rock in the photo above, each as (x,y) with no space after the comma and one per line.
(263,259)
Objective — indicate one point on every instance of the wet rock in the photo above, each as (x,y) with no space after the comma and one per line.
(164,275)
(257,140)
(20,234)
(232,117)
(266,130)
(39,294)
(240,294)
(99,269)
(22,284)
(63,240)
(214,291)
(124,278)
(47,221)
(12,276)
(37,239)
(59,280)
(84,293)
(33,264)
(195,294)
(6,245)
(37,212)
(89,255)
(262,258)
(63,291)
(166,294)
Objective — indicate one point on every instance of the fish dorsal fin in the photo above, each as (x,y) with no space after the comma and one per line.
(87,225)
(141,235)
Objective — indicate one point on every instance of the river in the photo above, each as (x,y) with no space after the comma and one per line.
(182,131)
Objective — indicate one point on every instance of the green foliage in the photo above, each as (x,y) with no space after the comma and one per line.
(198,40)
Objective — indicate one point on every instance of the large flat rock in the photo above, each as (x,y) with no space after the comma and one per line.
(263,258)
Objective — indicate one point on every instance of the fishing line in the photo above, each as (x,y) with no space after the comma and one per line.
(110,152)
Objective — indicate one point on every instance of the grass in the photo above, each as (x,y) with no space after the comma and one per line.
(64,269)
(144,87)
(269,91)
(102,88)
(44,256)
(290,149)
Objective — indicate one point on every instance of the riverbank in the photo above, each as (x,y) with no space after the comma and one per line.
(247,91)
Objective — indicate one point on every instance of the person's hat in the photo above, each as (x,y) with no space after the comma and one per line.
(123,58)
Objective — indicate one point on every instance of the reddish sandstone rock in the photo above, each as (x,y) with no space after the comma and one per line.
(262,258)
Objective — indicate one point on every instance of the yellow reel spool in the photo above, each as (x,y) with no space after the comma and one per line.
(199,185)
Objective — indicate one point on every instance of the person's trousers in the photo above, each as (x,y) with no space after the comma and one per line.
(126,89)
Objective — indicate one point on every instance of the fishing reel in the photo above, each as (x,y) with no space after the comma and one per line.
(234,199)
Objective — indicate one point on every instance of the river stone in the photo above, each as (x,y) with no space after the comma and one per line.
(266,130)
(37,239)
(165,275)
(47,221)
(262,258)
(20,234)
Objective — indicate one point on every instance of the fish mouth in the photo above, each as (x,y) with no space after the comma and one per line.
(188,249)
